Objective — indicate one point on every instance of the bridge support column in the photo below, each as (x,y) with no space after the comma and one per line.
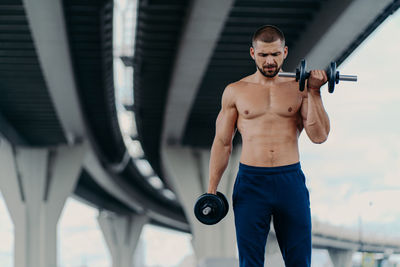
(188,171)
(35,184)
(341,257)
(122,233)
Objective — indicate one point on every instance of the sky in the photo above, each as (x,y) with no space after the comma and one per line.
(353,178)
(356,172)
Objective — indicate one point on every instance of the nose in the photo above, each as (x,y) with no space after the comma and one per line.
(269,60)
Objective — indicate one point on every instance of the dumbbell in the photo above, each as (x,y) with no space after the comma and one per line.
(210,209)
(333,76)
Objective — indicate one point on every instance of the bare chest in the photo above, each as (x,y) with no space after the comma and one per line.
(260,101)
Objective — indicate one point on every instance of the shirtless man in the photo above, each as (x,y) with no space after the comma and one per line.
(270,113)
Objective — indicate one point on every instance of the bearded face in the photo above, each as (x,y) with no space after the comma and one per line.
(268,57)
(269,70)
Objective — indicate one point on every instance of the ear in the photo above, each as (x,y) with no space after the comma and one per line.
(252,53)
(285,52)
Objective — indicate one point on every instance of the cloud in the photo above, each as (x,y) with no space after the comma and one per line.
(340,177)
(365,160)
(373,208)
(382,205)
(392,177)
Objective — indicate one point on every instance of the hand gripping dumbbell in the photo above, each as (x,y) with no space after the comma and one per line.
(333,76)
(210,209)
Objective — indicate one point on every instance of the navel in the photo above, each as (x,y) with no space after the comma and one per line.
(271,150)
(290,109)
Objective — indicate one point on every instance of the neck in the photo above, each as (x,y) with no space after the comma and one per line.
(260,78)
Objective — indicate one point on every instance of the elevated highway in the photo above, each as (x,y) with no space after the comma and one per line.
(59,111)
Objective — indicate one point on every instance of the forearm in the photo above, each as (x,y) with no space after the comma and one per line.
(218,162)
(317,124)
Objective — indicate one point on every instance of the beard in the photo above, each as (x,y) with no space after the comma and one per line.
(269,74)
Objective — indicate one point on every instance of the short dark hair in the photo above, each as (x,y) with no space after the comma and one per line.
(268,34)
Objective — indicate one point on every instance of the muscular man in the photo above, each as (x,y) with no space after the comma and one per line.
(270,113)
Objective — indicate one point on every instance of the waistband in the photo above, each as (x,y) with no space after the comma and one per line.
(269,170)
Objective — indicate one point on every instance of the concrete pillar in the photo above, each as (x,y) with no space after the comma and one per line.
(341,257)
(122,233)
(188,171)
(35,184)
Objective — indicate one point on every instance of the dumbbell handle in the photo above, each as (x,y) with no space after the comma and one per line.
(287,74)
(206,210)
(350,78)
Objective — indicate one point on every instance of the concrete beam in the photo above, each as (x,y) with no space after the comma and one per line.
(9,132)
(103,178)
(47,24)
(333,30)
(331,242)
(200,35)
(99,174)
(51,43)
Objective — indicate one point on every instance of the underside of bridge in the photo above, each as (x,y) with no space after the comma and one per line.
(60,132)
(176,60)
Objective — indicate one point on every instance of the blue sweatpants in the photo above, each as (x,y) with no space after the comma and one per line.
(260,192)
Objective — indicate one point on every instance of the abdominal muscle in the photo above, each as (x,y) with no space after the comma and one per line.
(269,142)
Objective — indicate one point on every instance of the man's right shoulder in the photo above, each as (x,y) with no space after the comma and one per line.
(232,90)
(230,93)
(235,86)
(241,83)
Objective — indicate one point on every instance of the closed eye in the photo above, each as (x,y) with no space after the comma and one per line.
(266,54)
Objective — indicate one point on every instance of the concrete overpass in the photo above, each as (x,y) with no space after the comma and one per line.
(59,120)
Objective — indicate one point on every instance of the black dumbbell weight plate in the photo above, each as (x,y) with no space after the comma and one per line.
(217,209)
(226,203)
(302,75)
(331,77)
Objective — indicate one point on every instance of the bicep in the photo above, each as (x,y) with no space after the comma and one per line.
(226,121)
(302,117)
(304,110)
(225,125)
